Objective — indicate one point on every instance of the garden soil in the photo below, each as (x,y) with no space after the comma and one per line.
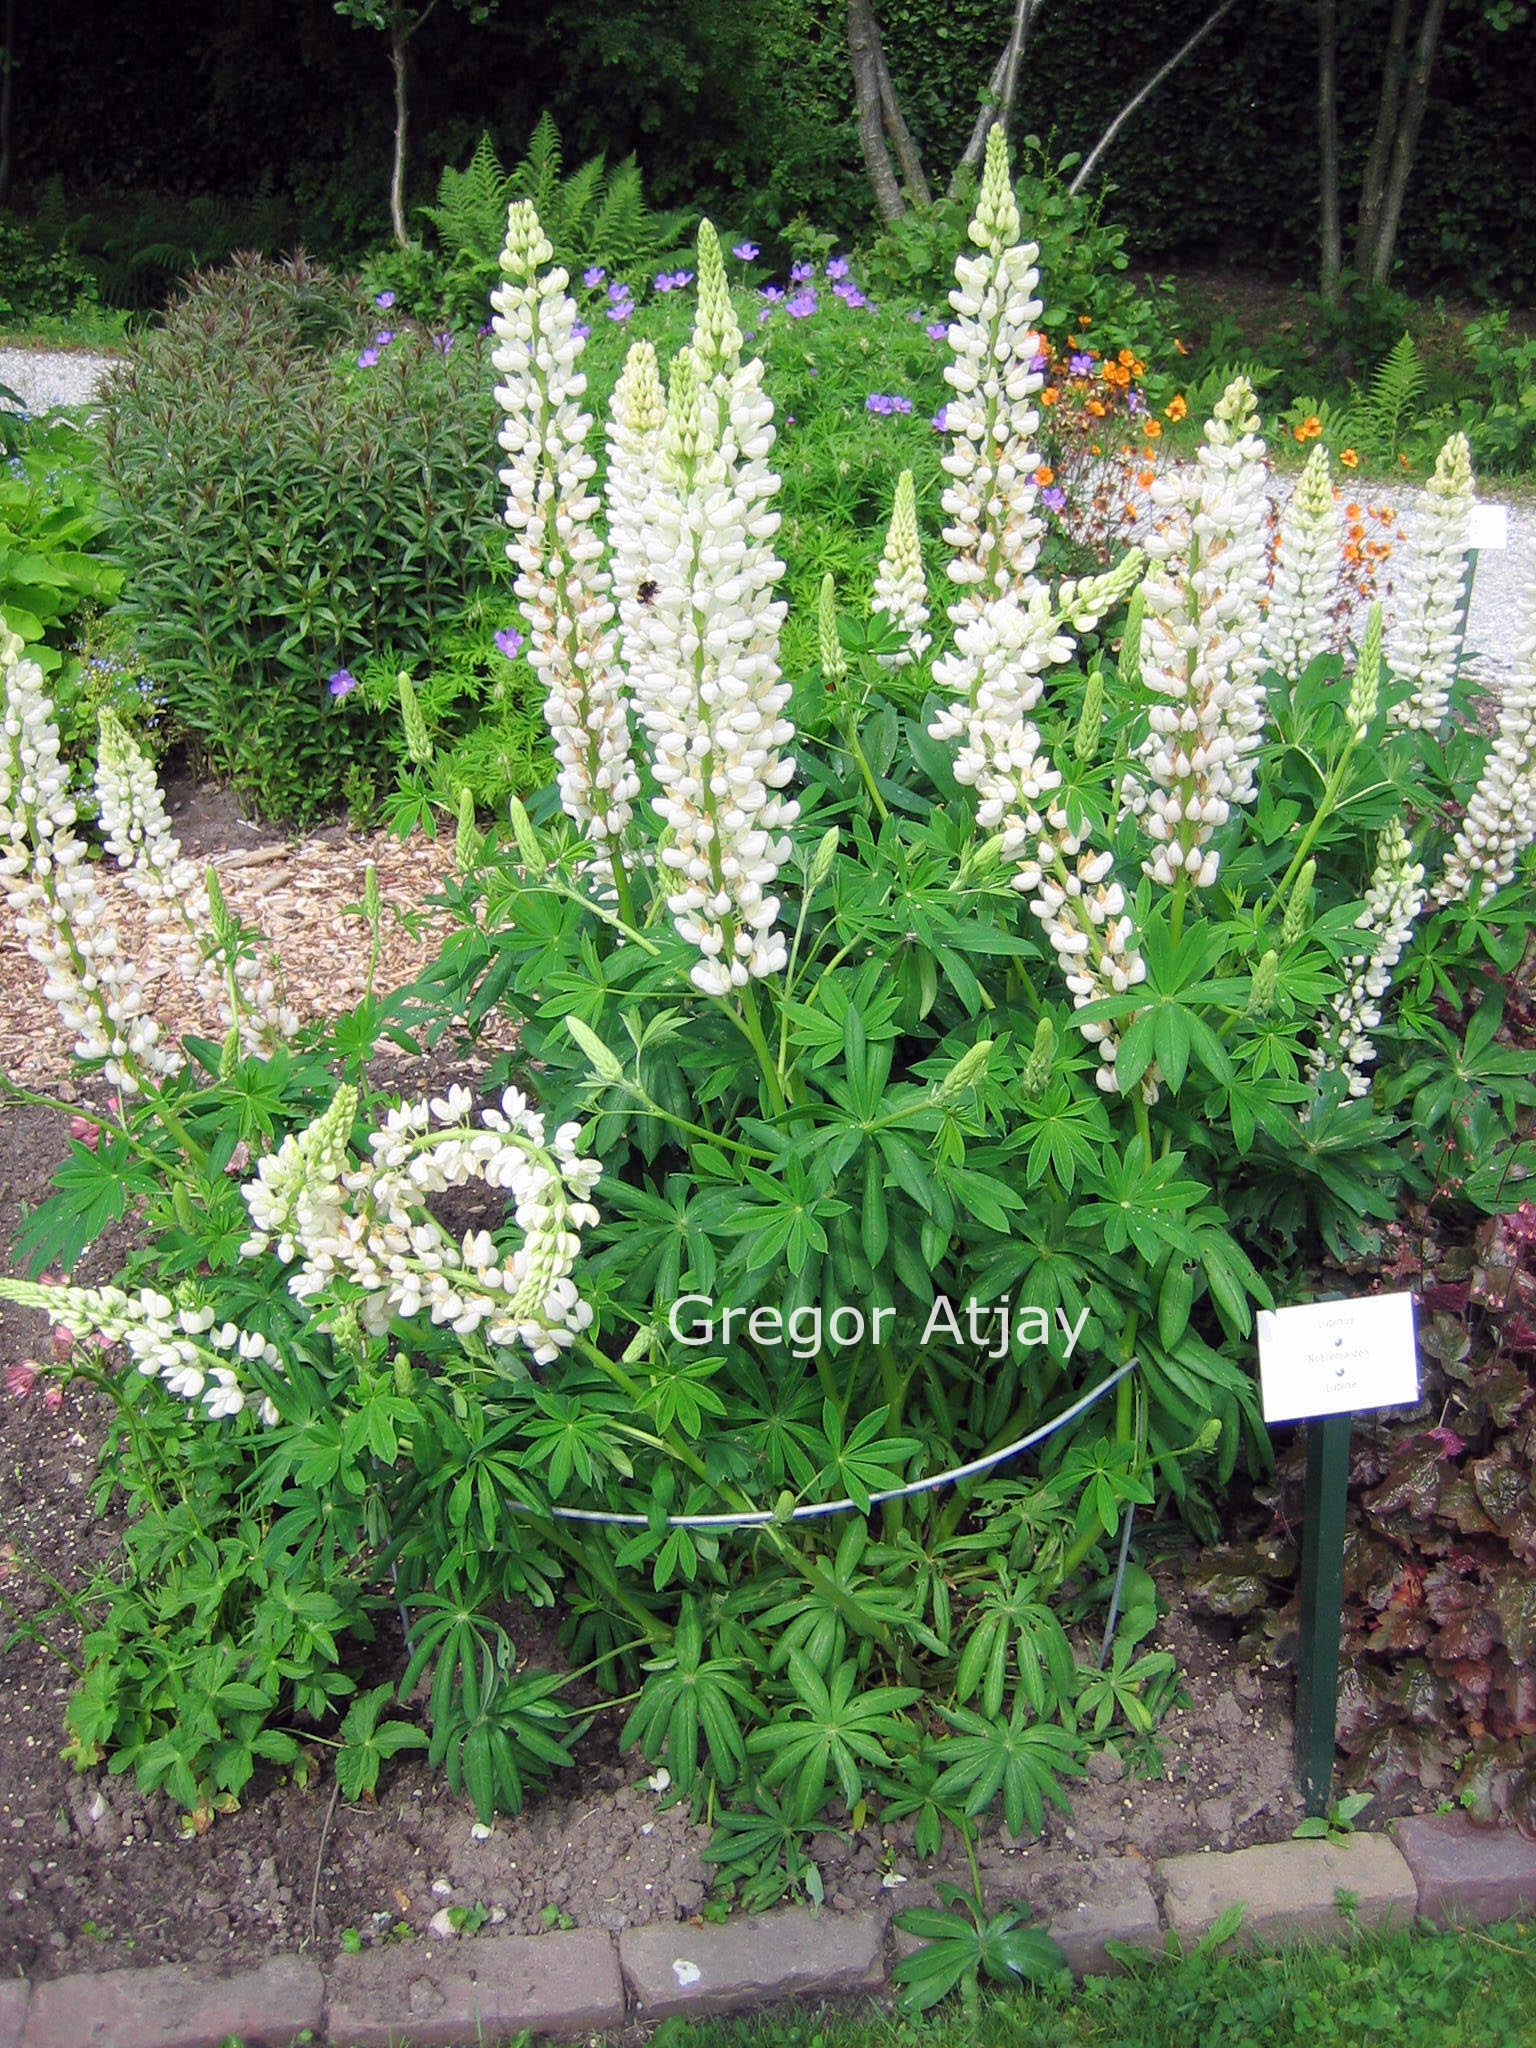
(95,1876)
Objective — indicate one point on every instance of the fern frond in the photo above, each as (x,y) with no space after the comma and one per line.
(1389,405)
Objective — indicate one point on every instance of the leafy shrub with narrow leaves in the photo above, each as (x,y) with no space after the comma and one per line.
(283,508)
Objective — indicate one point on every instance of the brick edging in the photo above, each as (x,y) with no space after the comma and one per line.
(463,1995)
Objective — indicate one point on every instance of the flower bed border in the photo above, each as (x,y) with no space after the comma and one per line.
(1438,1867)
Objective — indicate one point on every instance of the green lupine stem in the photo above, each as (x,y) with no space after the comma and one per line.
(851,734)
(621,884)
(750,1022)
(1332,784)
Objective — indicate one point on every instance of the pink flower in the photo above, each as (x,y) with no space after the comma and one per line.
(85,1132)
(20,1379)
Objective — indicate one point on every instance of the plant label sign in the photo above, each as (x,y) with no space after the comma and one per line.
(1488,527)
(1337,1357)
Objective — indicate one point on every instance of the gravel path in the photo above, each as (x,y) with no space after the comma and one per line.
(43,377)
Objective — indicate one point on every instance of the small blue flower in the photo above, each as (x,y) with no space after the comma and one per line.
(342,683)
(838,267)
(593,277)
(367,359)
(745,252)
(384,301)
(510,642)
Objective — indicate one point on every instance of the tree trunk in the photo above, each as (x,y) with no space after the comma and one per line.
(1331,232)
(398,38)
(1373,181)
(1002,91)
(907,155)
(7,68)
(864,46)
(1415,101)
(1085,169)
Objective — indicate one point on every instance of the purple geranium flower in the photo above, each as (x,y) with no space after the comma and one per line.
(1054,497)
(937,331)
(619,290)
(772,293)
(838,267)
(745,252)
(384,337)
(1079,364)
(593,277)
(1134,402)
(1039,363)
(384,301)
(342,683)
(486,329)
(620,313)
(510,642)
(851,297)
(802,306)
(580,329)
(940,420)
(878,402)
(442,343)
(367,359)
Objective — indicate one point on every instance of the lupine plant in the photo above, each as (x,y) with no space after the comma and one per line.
(910,1052)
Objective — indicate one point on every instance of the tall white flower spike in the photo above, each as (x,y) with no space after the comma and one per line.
(1422,642)
(1299,625)
(52,893)
(551,510)
(1392,903)
(231,979)
(1500,820)
(1201,653)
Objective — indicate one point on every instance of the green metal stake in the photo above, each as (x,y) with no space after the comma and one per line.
(1322,1598)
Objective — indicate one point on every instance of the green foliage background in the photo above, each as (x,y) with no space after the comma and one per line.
(748,110)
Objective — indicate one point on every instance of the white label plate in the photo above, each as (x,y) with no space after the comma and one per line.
(1337,1357)
(1488,527)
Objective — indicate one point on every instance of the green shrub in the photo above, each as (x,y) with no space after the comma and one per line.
(289,497)
(39,281)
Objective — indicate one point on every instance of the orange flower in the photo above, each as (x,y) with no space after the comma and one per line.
(1177,408)
(1352,551)
(1126,358)
(1138,369)
(1384,513)
(1146,478)
(1310,428)
(1152,428)
(1096,407)
(1045,476)
(1349,458)
(1351,511)
(1116,374)
(1098,450)
(1083,320)
(1178,347)
(1403,461)
(1049,395)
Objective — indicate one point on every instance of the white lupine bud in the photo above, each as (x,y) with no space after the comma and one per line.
(551,510)
(52,893)
(1392,903)
(1423,641)
(1500,820)
(215,956)
(1299,625)
(637,413)
(1200,649)
(1365,687)
(901,589)
(829,647)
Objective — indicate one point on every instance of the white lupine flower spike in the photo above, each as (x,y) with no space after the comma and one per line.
(712,693)
(1500,820)
(1392,903)
(1423,642)
(231,979)
(187,1349)
(551,510)
(52,893)
(1009,629)
(370,1225)
(1299,625)
(901,589)
(637,415)
(1201,655)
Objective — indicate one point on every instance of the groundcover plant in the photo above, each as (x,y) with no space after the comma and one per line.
(963,1036)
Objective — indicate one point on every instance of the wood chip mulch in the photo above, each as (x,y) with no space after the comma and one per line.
(297,894)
